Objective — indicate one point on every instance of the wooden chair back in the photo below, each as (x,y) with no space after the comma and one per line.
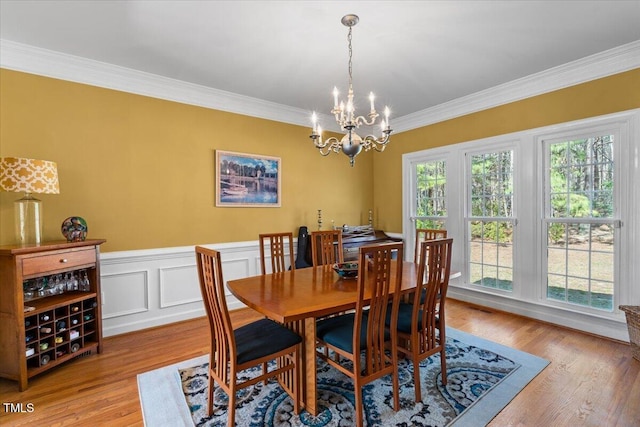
(378,288)
(223,348)
(380,279)
(259,343)
(427,334)
(424,234)
(326,247)
(279,254)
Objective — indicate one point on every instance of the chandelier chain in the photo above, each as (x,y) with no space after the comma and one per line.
(350,56)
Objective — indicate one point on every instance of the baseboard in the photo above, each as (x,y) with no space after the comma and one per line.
(608,328)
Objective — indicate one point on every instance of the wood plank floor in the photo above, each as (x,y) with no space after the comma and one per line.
(590,382)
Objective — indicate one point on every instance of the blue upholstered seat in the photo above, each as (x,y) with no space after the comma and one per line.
(338,331)
(405,310)
(423,296)
(261,338)
(326,324)
(404,318)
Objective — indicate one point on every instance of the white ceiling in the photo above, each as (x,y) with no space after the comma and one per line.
(412,54)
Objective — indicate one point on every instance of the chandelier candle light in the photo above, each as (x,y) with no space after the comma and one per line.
(28,176)
(351,143)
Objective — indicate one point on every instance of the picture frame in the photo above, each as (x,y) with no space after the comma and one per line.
(247,180)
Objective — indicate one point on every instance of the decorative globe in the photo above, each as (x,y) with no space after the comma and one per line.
(74,229)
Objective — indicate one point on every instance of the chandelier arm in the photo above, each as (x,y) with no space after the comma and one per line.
(361,120)
(378,144)
(326,147)
(319,143)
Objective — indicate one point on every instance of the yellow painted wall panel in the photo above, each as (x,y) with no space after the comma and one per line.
(141,170)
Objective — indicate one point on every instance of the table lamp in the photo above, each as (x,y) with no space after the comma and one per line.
(28,176)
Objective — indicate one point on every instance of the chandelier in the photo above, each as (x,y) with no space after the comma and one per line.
(351,143)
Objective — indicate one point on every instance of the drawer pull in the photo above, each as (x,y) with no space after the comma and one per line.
(63,260)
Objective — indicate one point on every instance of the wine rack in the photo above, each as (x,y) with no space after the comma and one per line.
(45,323)
(60,332)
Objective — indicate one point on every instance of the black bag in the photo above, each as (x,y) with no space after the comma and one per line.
(303,257)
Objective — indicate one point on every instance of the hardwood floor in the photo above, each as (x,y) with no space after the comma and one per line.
(590,382)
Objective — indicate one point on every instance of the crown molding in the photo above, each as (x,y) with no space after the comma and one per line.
(603,64)
(48,63)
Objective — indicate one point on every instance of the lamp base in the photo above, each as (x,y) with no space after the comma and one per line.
(28,214)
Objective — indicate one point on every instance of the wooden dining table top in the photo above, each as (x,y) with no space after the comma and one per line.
(305,293)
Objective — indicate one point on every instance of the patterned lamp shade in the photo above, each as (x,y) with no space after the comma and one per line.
(28,175)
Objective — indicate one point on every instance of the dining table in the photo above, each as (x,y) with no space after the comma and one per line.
(297,298)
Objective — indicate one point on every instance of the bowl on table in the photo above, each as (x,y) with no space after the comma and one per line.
(346,270)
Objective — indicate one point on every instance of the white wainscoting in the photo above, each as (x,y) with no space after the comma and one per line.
(152,287)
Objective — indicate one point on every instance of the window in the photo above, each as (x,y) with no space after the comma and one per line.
(580,221)
(430,207)
(490,220)
(545,221)
(428,200)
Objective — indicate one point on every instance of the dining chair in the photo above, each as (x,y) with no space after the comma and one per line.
(361,336)
(420,324)
(326,247)
(278,252)
(252,345)
(423,234)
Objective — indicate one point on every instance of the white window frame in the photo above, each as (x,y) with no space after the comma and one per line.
(529,289)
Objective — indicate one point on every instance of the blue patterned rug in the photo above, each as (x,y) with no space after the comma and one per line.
(482,378)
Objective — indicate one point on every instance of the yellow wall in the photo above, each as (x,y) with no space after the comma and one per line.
(603,96)
(141,170)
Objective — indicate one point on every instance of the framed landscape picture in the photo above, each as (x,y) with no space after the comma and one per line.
(247,180)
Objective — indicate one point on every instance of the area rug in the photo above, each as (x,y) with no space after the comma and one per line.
(483,377)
